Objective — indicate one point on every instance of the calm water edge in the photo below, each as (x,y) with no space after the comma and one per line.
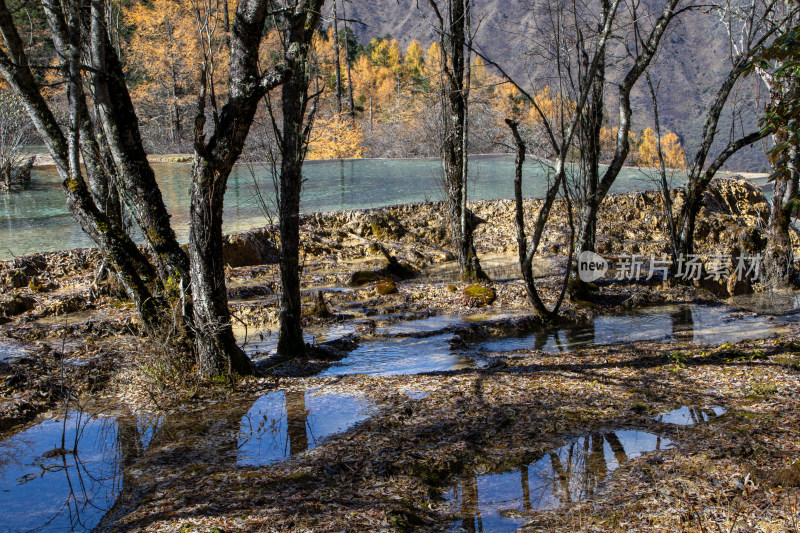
(37,220)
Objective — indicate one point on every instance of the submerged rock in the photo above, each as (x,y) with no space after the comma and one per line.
(362,277)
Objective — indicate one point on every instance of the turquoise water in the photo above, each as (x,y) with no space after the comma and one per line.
(37,220)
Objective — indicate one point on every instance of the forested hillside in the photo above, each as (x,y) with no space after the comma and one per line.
(689,68)
(389,66)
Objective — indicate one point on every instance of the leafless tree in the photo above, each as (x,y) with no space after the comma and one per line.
(750,26)
(181,298)
(642,47)
(453,24)
(561,136)
(783,91)
(14,131)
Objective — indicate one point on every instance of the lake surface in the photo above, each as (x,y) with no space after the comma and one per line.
(37,220)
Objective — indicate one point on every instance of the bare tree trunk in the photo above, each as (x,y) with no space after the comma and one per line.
(350,100)
(698,182)
(293,146)
(665,190)
(217,351)
(120,124)
(591,124)
(337,64)
(779,259)
(778,265)
(519,224)
(455,35)
(175,110)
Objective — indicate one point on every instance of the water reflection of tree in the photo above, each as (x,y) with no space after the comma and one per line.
(683,321)
(470,509)
(130,448)
(283,426)
(574,472)
(205,437)
(90,482)
(296,421)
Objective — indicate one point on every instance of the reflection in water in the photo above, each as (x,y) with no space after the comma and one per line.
(407,355)
(690,416)
(572,473)
(403,353)
(694,323)
(283,424)
(64,475)
(773,301)
(296,421)
(89,471)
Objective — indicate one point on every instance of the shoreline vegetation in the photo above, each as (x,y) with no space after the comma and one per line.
(430,436)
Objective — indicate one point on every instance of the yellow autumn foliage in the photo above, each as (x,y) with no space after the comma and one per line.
(647,152)
(336,138)
(165,48)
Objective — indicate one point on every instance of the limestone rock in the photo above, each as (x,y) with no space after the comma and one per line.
(248,249)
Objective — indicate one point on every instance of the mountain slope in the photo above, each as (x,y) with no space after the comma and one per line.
(689,68)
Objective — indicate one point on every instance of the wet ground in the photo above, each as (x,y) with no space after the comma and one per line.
(652,408)
(79,480)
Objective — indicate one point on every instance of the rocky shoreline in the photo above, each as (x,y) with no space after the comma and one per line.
(407,248)
(374,269)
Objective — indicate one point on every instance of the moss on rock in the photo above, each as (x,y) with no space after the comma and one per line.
(479,295)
